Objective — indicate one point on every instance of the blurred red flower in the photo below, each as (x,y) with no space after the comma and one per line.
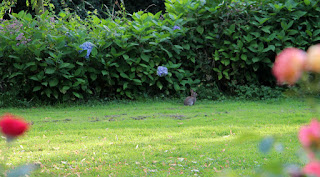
(12,126)
(313,61)
(309,135)
(312,168)
(289,65)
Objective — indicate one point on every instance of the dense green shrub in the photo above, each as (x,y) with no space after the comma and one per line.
(199,42)
(237,41)
(255,92)
(123,62)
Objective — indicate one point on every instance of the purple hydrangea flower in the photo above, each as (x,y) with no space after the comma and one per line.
(162,71)
(52,20)
(20,37)
(88,47)
(176,28)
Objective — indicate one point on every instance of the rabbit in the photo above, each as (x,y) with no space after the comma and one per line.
(191,100)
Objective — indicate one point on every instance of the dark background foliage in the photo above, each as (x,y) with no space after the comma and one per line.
(80,7)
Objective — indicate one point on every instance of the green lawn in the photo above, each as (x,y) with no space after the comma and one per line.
(158,138)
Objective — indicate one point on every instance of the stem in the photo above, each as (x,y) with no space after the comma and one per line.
(6,154)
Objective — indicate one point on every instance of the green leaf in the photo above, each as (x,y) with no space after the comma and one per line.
(200,29)
(284,26)
(128,93)
(50,70)
(104,72)
(261,20)
(93,77)
(298,14)
(186,46)
(124,75)
(248,38)
(309,33)
(270,47)
(36,88)
(244,57)
(316,39)
(255,59)
(125,85)
(240,44)
(316,32)
(160,86)
(64,89)
(176,86)
(35,78)
(78,72)
(126,57)
(48,92)
(78,95)
(307,2)
(220,76)
(15,74)
(62,14)
(137,81)
(266,29)
(226,62)
(66,65)
(17,66)
(53,82)
(145,57)
(178,47)
(225,72)
(95,19)
(30,64)
(232,29)
(169,53)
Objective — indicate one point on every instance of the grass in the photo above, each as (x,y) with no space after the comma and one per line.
(157,138)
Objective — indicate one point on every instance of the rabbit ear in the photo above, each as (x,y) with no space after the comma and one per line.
(191,90)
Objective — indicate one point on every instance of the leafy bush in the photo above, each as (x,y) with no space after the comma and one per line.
(42,57)
(236,41)
(210,92)
(200,42)
(255,92)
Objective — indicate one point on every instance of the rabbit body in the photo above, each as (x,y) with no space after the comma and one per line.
(191,100)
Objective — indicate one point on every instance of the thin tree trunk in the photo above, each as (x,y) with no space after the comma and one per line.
(39,7)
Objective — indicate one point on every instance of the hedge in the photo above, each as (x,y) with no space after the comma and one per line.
(200,42)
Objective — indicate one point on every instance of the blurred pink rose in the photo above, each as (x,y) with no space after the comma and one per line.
(312,168)
(310,135)
(313,59)
(289,65)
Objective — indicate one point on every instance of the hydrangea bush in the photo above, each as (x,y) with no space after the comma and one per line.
(47,57)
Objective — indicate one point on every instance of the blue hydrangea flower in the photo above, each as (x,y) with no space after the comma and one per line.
(176,27)
(88,47)
(162,71)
